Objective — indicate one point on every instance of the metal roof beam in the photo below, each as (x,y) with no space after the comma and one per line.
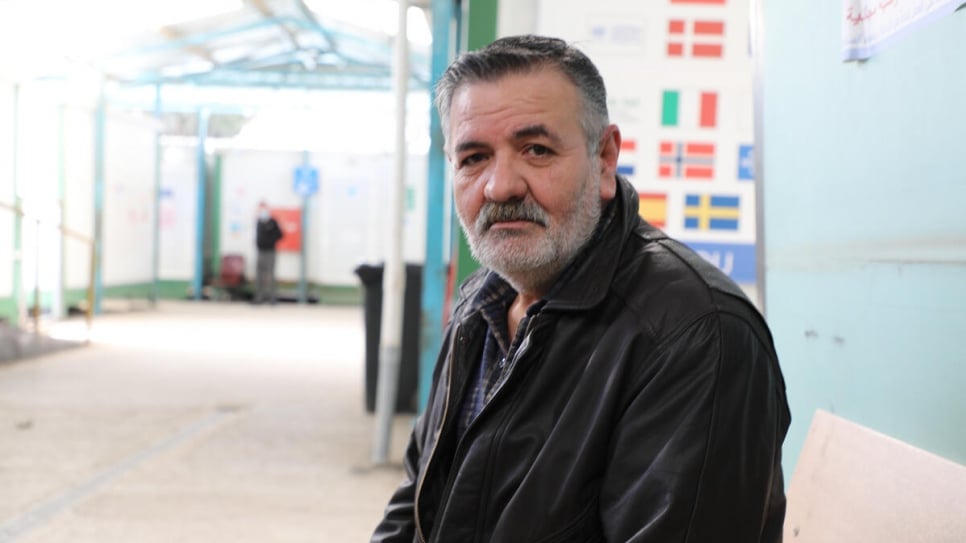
(317,26)
(201,38)
(262,7)
(197,50)
(353,80)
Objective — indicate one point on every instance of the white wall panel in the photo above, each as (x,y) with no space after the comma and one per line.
(38,183)
(128,233)
(6,189)
(178,213)
(348,218)
(247,178)
(78,210)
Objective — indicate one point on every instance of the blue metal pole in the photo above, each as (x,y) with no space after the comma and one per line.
(434,269)
(97,265)
(200,222)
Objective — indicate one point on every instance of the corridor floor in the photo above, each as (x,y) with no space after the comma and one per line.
(195,422)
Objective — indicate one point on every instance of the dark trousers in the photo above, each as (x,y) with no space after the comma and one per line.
(265,288)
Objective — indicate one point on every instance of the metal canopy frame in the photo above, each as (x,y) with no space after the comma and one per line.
(265,43)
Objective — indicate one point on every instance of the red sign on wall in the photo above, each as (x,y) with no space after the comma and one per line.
(290,221)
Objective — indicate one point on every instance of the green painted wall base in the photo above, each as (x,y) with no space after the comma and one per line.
(8,311)
(338,295)
(167,290)
(174,290)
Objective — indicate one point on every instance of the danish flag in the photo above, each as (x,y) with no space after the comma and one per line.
(705,38)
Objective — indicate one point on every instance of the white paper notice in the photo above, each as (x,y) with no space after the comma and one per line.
(868,25)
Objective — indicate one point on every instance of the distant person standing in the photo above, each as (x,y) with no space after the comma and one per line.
(267,234)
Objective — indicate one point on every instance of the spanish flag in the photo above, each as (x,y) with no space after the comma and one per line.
(653,208)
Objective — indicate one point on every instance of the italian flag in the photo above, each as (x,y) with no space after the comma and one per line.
(689,109)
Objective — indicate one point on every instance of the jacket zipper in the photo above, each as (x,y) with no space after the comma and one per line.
(521,351)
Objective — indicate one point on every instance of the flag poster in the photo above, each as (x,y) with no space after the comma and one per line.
(686,159)
(653,208)
(695,109)
(695,38)
(679,82)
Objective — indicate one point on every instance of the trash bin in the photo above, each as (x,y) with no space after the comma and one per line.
(407,398)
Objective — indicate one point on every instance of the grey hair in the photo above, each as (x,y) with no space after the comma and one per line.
(524,54)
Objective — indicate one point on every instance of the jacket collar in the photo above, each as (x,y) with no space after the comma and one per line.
(586,282)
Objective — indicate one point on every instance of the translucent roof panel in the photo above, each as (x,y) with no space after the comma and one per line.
(276,43)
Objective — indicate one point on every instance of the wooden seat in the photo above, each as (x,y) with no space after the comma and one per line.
(856,485)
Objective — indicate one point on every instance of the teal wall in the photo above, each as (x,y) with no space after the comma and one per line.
(865,225)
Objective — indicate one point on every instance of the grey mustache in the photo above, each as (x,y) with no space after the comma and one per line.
(493,212)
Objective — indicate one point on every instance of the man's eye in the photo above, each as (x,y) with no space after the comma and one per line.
(539,150)
(469,160)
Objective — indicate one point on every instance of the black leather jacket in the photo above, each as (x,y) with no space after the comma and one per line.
(646,405)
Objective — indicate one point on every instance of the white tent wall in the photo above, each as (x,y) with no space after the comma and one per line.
(348,217)
(7,217)
(128,221)
(247,177)
(78,209)
(178,213)
(366,181)
(38,187)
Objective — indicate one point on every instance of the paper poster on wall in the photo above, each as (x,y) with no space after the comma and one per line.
(679,86)
(290,221)
(870,25)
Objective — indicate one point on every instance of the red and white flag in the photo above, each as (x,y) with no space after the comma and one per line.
(695,38)
(686,160)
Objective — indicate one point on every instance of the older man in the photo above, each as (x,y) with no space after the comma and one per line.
(598,381)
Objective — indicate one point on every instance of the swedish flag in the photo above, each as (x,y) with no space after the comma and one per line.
(711,212)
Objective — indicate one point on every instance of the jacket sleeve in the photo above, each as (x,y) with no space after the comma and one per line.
(696,453)
(278,234)
(398,524)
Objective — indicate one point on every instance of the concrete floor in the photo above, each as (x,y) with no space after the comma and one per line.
(195,422)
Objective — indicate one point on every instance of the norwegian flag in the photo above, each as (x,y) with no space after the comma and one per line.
(698,39)
(686,160)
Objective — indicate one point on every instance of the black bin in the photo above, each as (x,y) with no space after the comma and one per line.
(407,398)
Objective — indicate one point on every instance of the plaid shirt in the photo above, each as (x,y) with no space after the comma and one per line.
(494,299)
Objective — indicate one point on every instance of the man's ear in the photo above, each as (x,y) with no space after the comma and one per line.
(610,147)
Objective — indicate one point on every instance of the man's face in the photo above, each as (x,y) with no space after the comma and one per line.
(527,193)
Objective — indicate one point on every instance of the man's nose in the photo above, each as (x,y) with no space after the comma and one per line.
(506,182)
